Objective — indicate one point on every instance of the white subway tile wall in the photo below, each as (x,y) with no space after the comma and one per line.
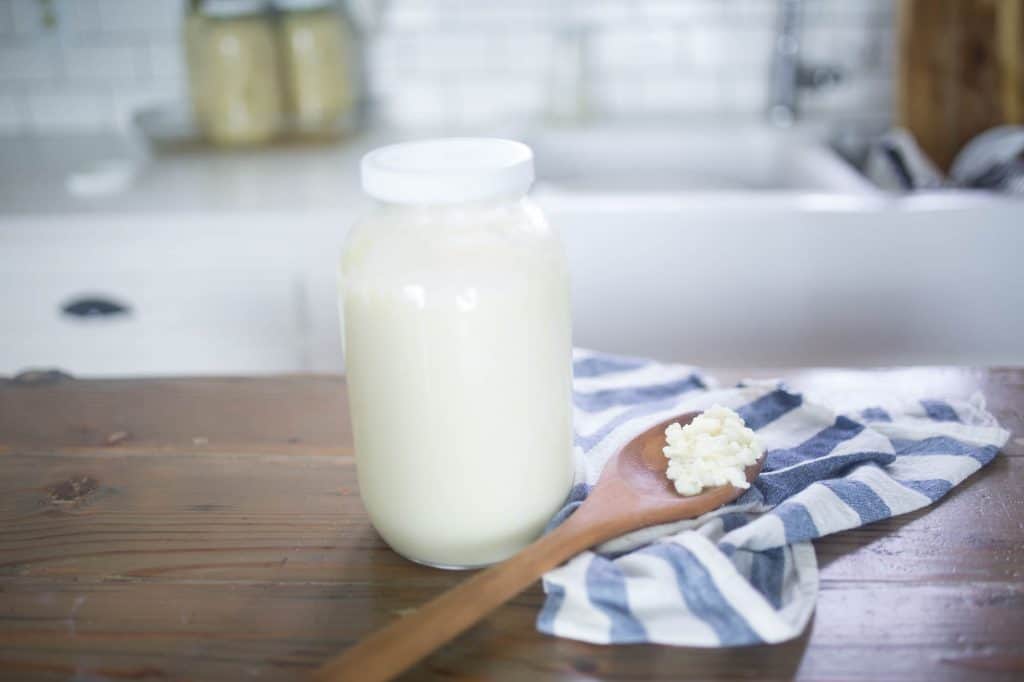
(87,64)
(12,113)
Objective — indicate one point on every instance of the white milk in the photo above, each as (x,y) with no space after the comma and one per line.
(458,353)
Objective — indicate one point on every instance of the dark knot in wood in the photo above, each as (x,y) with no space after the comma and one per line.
(73,490)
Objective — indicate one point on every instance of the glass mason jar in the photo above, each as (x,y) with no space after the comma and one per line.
(192,44)
(456,325)
(237,94)
(318,59)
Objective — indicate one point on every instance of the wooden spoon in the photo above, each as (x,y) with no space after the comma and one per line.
(633,492)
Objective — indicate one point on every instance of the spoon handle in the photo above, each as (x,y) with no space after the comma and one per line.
(394,648)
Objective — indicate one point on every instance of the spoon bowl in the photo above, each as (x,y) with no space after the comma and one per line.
(641,465)
(632,492)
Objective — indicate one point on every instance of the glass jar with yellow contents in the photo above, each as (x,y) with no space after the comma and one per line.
(318,55)
(237,89)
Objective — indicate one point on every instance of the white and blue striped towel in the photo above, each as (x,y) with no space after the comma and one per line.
(746,573)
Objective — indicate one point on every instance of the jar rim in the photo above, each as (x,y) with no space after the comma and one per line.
(448,170)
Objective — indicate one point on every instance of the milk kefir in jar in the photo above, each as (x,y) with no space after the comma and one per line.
(456,325)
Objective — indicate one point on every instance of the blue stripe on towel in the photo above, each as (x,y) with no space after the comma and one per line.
(822,443)
(751,496)
(589,442)
(578,493)
(766,570)
(599,401)
(797,521)
(776,486)
(933,489)
(607,591)
(702,596)
(861,498)
(768,408)
(552,605)
(599,365)
(732,521)
(875,414)
(943,445)
(940,411)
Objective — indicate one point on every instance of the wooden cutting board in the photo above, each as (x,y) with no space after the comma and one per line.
(961,70)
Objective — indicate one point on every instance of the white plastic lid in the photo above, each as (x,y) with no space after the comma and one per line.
(448,170)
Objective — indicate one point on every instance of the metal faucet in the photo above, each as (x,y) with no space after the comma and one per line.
(789,74)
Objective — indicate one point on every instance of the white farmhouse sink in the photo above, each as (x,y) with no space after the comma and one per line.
(742,247)
(857,281)
(689,160)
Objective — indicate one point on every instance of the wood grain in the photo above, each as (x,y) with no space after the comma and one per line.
(1010,38)
(291,414)
(251,556)
(299,519)
(960,70)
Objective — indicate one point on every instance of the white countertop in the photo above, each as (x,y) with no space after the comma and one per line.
(98,174)
(110,173)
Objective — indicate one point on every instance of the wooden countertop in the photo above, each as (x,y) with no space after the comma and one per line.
(211,529)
